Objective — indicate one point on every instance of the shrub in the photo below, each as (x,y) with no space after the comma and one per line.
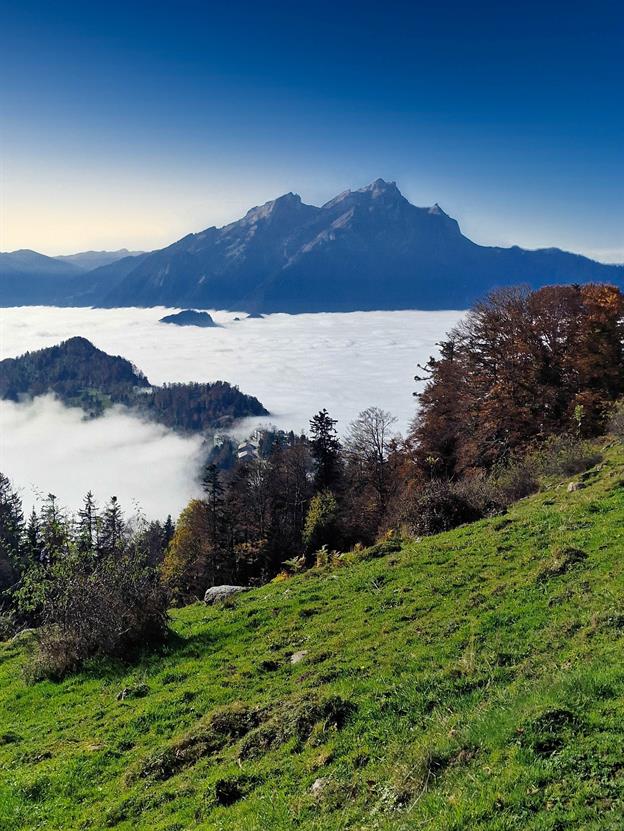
(616,422)
(104,608)
(439,507)
(564,455)
(321,524)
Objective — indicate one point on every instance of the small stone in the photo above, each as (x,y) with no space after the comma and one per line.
(319,785)
(296,657)
(576,486)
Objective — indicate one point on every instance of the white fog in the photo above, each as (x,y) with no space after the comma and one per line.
(295,365)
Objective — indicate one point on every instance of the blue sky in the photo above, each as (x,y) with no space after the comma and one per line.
(132,124)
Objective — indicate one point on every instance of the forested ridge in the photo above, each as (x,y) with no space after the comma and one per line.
(81,375)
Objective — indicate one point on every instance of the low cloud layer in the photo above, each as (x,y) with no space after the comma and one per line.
(46,447)
(295,365)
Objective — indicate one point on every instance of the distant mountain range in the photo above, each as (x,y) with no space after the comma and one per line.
(88,260)
(365,249)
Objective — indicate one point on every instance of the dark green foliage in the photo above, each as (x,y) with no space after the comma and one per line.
(83,376)
(76,372)
(325,448)
(11,530)
(198,407)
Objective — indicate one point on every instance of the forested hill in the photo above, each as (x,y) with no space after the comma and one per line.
(81,375)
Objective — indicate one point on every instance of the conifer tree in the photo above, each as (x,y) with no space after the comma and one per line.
(54,531)
(86,531)
(326,448)
(112,527)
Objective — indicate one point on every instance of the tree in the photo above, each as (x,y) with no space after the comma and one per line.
(185,566)
(55,532)
(168,530)
(112,529)
(321,525)
(86,530)
(33,544)
(368,445)
(521,366)
(11,533)
(325,447)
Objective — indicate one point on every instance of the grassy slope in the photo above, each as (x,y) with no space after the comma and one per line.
(479,689)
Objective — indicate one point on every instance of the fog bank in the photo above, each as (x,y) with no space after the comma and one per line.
(294,364)
(46,447)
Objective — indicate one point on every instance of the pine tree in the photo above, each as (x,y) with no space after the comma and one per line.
(86,530)
(214,491)
(33,543)
(11,532)
(112,527)
(326,448)
(168,531)
(54,531)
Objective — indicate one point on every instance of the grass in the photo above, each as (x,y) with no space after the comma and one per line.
(472,680)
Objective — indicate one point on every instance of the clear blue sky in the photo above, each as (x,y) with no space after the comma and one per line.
(131,124)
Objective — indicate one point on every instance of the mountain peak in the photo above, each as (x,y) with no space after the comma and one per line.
(386,192)
(380,186)
(285,203)
(436,209)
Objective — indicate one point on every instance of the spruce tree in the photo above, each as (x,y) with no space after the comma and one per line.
(112,527)
(86,529)
(326,448)
(11,532)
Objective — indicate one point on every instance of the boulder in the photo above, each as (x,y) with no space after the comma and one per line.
(217,593)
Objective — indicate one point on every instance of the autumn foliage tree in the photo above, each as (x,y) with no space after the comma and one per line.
(522,365)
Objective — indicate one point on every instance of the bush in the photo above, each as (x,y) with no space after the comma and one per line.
(616,422)
(439,507)
(564,455)
(107,608)
(321,524)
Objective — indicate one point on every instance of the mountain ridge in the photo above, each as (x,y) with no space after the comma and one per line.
(365,249)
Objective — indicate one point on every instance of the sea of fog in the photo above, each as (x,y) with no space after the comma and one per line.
(295,365)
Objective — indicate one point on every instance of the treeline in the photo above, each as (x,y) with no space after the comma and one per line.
(521,366)
(520,388)
(81,375)
(76,372)
(198,407)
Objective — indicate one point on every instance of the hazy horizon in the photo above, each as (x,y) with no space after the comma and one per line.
(614,257)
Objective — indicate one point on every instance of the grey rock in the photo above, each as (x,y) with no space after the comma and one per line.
(296,657)
(215,594)
(319,785)
(576,486)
